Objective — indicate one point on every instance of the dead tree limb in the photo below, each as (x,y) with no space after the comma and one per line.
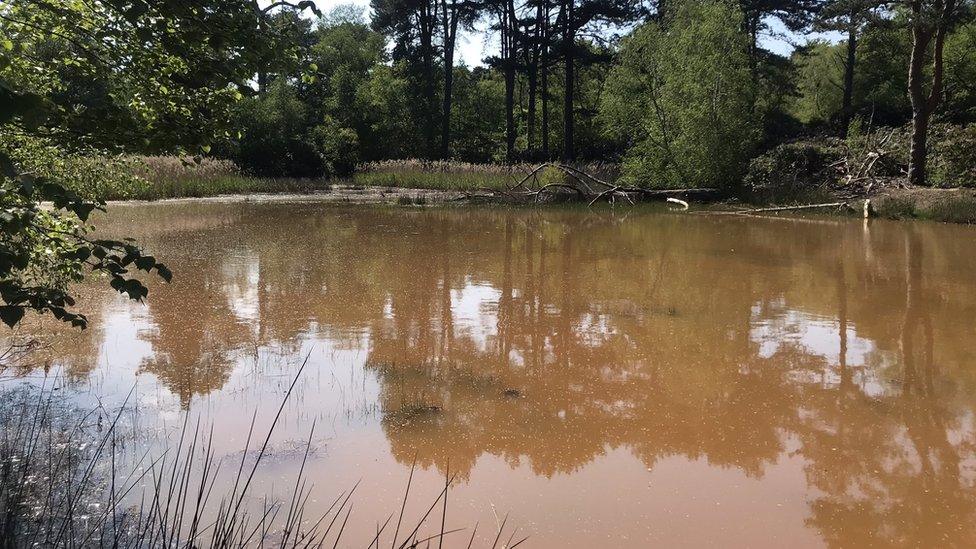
(781,209)
(581,184)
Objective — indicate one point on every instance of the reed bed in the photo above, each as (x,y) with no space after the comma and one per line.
(180,177)
(450,175)
(61,486)
(177,177)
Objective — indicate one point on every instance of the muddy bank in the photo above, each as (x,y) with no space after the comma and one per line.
(351,194)
(944,205)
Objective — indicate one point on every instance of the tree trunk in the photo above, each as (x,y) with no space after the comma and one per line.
(508,58)
(924,30)
(427,25)
(919,149)
(446,106)
(544,85)
(450,20)
(752,29)
(544,90)
(569,39)
(532,68)
(847,111)
(533,74)
(920,113)
(533,87)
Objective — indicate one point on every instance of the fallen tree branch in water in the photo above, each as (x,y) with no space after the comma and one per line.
(682,203)
(781,208)
(579,185)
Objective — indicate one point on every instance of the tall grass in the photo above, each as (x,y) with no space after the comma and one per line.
(60,486)
(178,177)
(175,177)
(450,175)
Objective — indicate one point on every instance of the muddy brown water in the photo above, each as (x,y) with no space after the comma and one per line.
(625,379)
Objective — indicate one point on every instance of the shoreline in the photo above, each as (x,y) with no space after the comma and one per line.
(927,204)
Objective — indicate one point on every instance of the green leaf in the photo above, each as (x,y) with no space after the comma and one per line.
(164,272)
(117,283)
(11,314)
(145,263)
(135,290)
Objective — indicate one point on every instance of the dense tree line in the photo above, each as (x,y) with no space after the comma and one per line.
(602,80)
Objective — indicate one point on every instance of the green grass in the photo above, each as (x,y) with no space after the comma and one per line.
(158,177)
(197,187)
(441,181)
(933,205)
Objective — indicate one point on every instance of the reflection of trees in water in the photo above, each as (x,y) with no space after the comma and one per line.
(587,355)
(194,334)
(596,335)
(890,468)
(886,460)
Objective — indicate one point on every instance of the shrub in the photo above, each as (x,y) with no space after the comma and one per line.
(683,96)
(338,147)
(951,152)
(273,157)
(91,174)
(274,138)
(952,156)
(792,171)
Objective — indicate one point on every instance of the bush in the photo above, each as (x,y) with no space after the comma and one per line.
(951,152)
(338,147)
(683,96)
(274,138)
(792,171)
(952,156)
(274,157)
(92,175)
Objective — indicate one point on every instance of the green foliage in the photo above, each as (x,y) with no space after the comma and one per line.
(479,117)
(819,68)
(952,153)
(78,77)
(683,97)
(792,172)
(338,147)
(275,139)
(880,75)
(384,100)
(960,68)
(881,72)
(43,251)
(91,173)
(133,74)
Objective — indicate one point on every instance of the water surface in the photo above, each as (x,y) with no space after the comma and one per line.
(621,379)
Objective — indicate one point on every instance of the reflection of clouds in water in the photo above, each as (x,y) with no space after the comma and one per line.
(127,328)
(817,335)
(595,329)
(243,274)
(474,309)
(774,327)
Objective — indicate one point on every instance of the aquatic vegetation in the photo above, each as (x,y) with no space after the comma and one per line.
(62,486)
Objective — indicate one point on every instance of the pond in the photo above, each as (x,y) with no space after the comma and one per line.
(629,378)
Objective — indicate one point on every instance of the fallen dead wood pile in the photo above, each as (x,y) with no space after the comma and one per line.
(865,208)
(580,186)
